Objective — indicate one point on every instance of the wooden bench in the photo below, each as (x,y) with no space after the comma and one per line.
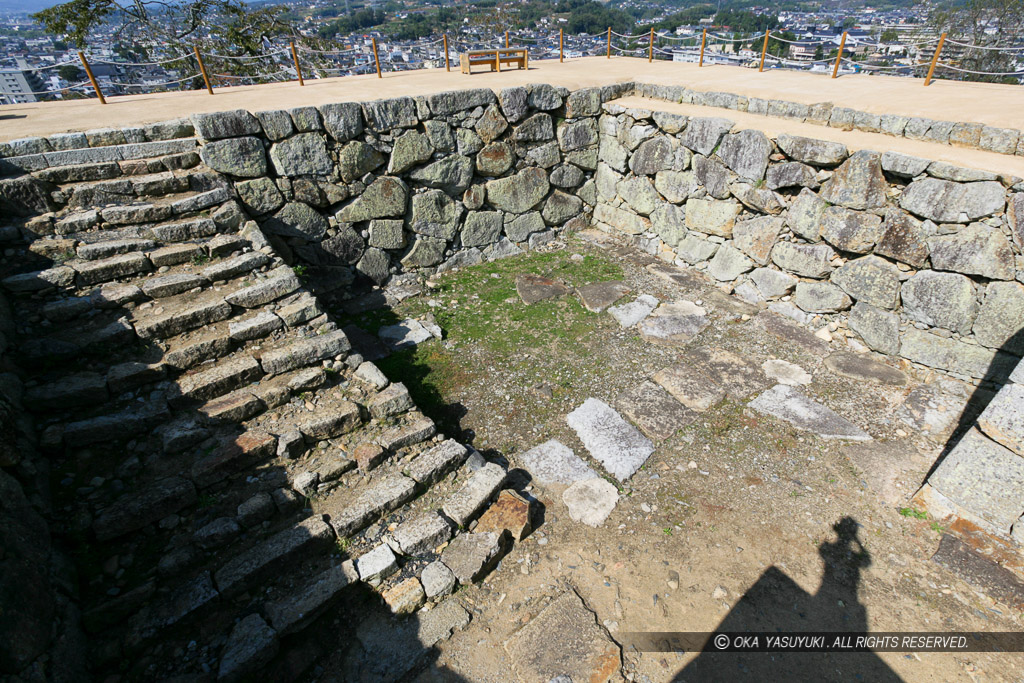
(517,56)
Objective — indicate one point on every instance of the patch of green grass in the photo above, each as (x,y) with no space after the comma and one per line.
(430,372)
(200,259)
(937,528)
(911,512)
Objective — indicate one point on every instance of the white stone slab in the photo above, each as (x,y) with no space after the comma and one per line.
(786,403)
(553,462)
(615,443)
(632,313)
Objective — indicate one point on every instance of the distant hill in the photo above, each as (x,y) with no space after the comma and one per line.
(26,5)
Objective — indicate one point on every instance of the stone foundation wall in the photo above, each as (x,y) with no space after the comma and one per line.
(40,632)
(908,257)
(956,133)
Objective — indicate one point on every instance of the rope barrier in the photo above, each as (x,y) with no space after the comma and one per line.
(51,66)
(166,61)
(980,73)
(53,92)
(1017,48)
(156,85)
(246,57)
(302,48)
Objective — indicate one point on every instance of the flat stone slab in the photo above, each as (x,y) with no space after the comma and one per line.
(597,296)
(656,412)
(533,288)
(788,331)
(1003,418)
(613,442)
(865,368)
(996,581)
(564,642)
(469,556)
(984,478)
(407,334)
(691,386)
(788,404)
(591,501)
(784,372)
(738,376)
(674,324)
(632,313)
(552,462)
(933,411)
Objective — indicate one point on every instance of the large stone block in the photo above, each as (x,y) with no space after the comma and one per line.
(870,279)
(712,216)
(520,192)
(304,154)
(974,250)
(1000,323)
(858,183)
(984,478)
(940,299)
(847,230)
(944,201)
(879,329)
(810,151)
(746,153)
(703,134)
(955,356)
(386,197)
(903,238)
(803,259)
(243,157)
(225,124)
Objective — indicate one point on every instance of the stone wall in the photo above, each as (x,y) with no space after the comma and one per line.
(905,256)
(956,133)
(40,632)
(403,184)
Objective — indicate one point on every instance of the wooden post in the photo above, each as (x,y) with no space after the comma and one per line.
(446,66)
(764,50)
(506,40)
(202,69)
(842,46)
(609,42)
(935,59)
(650,48)
(703,40)
(376,58)
(92,79)
(298,67)
(561,44)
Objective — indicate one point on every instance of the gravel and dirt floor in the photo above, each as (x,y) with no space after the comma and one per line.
(738,521)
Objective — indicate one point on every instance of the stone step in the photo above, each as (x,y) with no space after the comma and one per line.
(224,376)
(101,250)
(106,170)
(115,427)
(245,570)
(94,155)
(102,335)
(111,268)
(180,314)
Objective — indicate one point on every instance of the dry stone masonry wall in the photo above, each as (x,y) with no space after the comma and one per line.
(956,133)
(184,418)
(907,257)
(207,422)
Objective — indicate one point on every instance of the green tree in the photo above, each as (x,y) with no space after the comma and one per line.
(70,73)
(889,35)
(972,21)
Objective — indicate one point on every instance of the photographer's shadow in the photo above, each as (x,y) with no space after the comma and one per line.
(775,603)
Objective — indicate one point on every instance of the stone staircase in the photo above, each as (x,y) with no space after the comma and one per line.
(223,463)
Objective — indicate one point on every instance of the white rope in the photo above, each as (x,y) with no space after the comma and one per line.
(1017,48)
(252,76)
(246,57)
(157,85)
(980,73)
(166,61)
(303,48)
(735,40)
(51,66)
(894,66)
(665,36)
(622,35)
(52,92)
